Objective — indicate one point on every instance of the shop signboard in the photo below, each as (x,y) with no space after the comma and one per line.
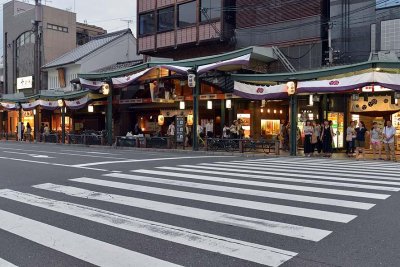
(180,129)
(24,82)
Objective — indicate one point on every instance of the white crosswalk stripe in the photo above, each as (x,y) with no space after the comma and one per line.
(265,184)
(204,193)
(354,173)
(253,205)
(219,244)
(267,176)
(295,173)
(243,191)
(4,263)
(81,247)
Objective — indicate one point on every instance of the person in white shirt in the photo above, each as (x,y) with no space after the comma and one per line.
(226,132)
(389,133)
(171,129)
(209,129)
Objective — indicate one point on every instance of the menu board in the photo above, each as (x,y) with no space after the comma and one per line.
(180,129)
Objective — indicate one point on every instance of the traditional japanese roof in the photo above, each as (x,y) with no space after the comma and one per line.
(259,53)
(81,52)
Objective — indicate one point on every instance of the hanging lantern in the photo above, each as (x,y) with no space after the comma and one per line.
(209,104)
(311,101)
(190,119)
(106,89)
(291,88)
(60,102)
(160,120)
(90,108)
(228,103)
(182,105)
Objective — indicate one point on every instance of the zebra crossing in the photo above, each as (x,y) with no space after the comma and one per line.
(278,198)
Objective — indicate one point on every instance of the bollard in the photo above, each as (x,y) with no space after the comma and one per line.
(277,147)
(241,146)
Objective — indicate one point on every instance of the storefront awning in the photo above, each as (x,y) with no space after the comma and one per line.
(387,80)
(255,92)
(227,65)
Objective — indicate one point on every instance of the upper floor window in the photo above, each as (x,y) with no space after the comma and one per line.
(210,9)
(187,14)
(146,23)
(57,27)
(26,38)
(166,19)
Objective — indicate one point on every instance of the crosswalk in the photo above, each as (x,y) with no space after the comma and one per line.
(236,210)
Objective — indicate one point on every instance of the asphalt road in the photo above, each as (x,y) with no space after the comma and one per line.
(78,206)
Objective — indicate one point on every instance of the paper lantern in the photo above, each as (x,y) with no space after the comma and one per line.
(182,105)
(160,120)
(209,104)
(190,119)
(90,108)
(60,102)
(228,103)
(106,89)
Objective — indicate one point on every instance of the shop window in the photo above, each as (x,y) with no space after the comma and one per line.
(146,23)
(187,14)
(210,9)
(57,27)
(165,19)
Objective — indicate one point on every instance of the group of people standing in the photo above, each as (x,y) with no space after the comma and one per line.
(234,131)
(379,138)
(318,138)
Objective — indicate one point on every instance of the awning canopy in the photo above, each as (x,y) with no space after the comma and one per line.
(260,92)
(386,80)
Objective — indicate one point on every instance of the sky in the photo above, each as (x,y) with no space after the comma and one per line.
(108,14)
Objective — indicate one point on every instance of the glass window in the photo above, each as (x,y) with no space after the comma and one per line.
(146,23)
(210,9)
(165,19)
(187,14)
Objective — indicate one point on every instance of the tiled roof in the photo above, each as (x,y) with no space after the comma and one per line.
(119,66)
(86,49)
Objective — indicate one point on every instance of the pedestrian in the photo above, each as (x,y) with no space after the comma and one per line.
(226,132)
(209,129)
(376,141)
(187,135)
(350,134)
(28,132)
(239,129)
(22,131)
(137,130)
(361,133)
(233,130)
(308,132)
(389,133)
(327,138)
(285,136)
(317,133)
(171,129)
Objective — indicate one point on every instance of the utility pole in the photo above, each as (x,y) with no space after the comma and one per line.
(129,21)
(37,60)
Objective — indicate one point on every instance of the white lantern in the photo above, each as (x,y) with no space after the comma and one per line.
(60,102)
(228,103)
(90,108)
(106,89)
(291,88)
(209,104)
(182,105)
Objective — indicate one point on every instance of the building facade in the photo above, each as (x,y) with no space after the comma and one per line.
(58,36)
(84,32)
(194,28)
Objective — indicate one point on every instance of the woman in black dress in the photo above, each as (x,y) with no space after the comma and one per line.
(327,138)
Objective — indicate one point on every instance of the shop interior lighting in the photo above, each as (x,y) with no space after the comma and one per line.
(396,101)
(90,108)
(268,110)
(263,102)
(274,111)
(229,103)
(182,105)
(262,110)
(34,112)
(281,111)
(209,104)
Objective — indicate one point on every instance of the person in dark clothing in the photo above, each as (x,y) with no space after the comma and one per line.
(327,139)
